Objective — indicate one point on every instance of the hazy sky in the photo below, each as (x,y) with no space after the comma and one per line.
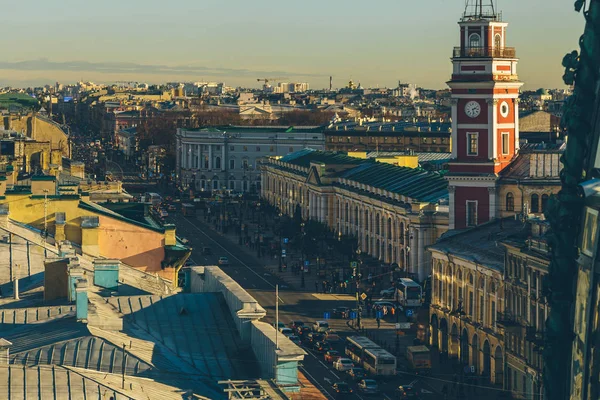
(375,42)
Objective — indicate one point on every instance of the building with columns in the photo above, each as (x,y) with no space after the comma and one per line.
(229,157)
(394,212)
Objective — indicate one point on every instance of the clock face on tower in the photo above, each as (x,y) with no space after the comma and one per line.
(472,109)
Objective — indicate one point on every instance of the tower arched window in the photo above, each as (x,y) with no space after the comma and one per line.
(474,41)
(544,202)
(510,202)
(535,203)
(498,41)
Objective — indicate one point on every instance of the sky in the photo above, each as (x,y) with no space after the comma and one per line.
(376,42)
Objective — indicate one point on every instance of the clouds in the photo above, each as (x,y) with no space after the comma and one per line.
(46,65)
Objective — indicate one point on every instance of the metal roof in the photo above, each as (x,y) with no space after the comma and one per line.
(414,183)
(303,158)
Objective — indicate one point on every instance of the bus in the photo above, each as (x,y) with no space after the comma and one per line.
(153,198)
(409,293)
(379,362)
(356,346)
(419,359)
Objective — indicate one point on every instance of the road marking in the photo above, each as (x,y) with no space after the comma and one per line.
(228,252)
(316,383)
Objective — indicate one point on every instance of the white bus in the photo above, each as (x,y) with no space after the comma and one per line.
(409,293)
(379,362)
(356,346)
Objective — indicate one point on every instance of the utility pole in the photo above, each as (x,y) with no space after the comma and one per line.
(276,317)
(123,369)
(45,233)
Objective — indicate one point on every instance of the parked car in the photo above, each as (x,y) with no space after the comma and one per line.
(343,364)
(356,374)
(341,312)
(286,332)
(320,326)
(332,356)
(223,261)
(296,324)
(368,386)
(341,389)
(407,392)
(388,293)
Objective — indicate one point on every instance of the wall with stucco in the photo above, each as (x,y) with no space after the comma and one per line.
(133,244)
(42,130)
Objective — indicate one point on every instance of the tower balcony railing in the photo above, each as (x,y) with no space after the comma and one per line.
(484,52)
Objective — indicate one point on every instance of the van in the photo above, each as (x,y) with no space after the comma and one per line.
(320,326)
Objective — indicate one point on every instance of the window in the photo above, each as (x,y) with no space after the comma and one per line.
(481,308)
(231,164)
(215,185)
(505,143)
(471,213)
(474,41)
(494,316)
(257,148)
(218,148)
(232,185)
(498,41)
(218,162)
(535,203)
(544,202)
(291,149)
(472,144)
(590,231)
(231,148)
(471,310)
(510,202)
(245,148)
(272,149)
(205,162)
(245,164)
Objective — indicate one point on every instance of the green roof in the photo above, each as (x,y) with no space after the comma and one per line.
(21,99)
(415,183)
(304,158)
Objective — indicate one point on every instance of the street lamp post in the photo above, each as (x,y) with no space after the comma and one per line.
(358,276)
(279,234)
(302,283)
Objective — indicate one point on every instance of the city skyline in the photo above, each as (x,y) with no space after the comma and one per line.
(301,42)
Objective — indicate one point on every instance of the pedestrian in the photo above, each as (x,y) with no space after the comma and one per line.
(378,323)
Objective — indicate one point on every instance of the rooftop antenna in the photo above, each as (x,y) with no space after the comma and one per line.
(480,10)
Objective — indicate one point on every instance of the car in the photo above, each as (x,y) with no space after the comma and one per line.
(332,337)
(296,324)
(206,251)
(356,374)
(295,339)
(341,389)
(343,364)
(341,312)
(388,293)
(314,337)
(286,332)
(368,386)
(279,326)
(303,331)
(407,392)
(320,326)
(322,347)
(332,356)
(223,261)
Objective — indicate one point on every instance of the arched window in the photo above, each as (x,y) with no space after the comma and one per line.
(474,41)
(544,202)
(510,202)
(498,41)
(471,279)
(389,229)
(218,162)
(535,203)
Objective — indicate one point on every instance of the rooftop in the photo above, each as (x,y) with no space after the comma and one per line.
(304,158)
(481,245)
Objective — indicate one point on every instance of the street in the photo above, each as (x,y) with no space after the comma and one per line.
(251,274)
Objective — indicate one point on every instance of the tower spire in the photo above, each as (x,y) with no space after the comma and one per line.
(480,10)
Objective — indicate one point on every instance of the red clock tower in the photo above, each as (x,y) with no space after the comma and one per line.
(485,114)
